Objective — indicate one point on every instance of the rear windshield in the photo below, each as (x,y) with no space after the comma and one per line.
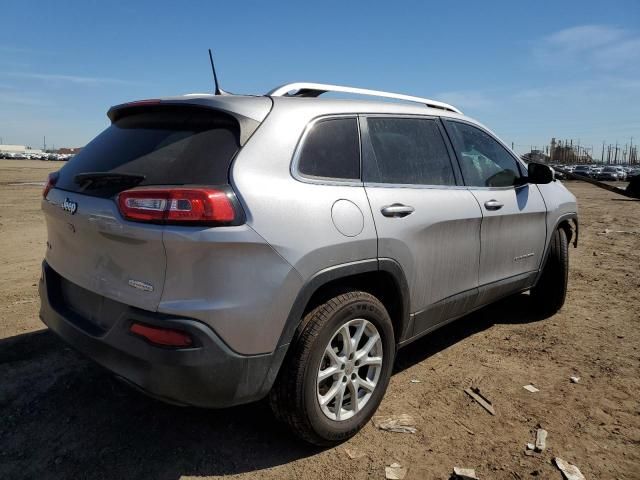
(173,146)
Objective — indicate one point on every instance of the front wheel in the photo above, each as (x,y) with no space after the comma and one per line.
(337,370)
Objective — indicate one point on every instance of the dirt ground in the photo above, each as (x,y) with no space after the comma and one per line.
(61,416)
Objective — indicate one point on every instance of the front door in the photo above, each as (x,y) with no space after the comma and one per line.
(514,215)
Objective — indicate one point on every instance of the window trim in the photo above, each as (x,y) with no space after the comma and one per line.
(367,151)
(522,168)
(295,161)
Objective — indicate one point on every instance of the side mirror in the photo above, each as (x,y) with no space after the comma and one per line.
(539,173)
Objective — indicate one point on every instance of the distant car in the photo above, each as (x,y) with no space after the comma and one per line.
(622,174)
(584,170)
(559,173)
(608,173)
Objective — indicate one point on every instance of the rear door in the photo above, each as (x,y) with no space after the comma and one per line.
(424,218)
(514,217)
(89,242)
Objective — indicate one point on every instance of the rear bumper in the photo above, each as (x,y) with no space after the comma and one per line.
(208,374)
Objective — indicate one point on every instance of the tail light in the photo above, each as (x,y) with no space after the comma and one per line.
(181,205)
(51,182)
(162,336)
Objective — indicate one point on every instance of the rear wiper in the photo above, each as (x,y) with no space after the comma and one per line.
(93,180)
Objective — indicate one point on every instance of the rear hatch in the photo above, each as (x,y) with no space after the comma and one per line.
(89,242)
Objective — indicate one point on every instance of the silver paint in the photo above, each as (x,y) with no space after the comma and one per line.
(243,281)
(347,218)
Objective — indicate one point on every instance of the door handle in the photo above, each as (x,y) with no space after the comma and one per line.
(397,210)
(493,205)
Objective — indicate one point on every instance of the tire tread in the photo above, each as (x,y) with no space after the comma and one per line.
(287,395)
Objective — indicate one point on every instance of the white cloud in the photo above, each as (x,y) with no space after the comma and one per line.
(590,47)
(80,80)
(583,37)
(21,99)
(618,54)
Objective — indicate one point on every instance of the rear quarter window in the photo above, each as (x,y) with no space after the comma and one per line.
(331,149)
(171,146)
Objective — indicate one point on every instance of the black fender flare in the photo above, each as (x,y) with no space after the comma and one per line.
(337,272)
(324,277)
(572,217)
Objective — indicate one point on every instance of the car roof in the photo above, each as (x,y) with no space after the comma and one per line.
(246,103)
(257,107)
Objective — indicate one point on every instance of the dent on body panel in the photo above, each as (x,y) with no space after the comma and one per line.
(232,280)
(92,247)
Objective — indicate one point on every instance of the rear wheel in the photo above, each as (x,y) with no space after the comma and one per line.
(551,290)
(337,370)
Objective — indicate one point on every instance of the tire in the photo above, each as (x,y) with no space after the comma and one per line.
(551,290)
(294,398)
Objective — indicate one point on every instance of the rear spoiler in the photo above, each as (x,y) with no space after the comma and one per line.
(249,112)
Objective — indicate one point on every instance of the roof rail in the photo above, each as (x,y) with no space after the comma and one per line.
(304,89)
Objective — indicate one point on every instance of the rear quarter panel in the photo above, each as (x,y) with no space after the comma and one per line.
(231,279)
(293,216)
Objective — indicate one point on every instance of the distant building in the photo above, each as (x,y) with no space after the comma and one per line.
(69,150)
(567,152)
(18,149)
(535,156)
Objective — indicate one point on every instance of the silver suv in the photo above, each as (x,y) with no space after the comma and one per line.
(213,250)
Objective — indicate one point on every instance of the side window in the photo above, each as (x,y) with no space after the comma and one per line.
(331,149)
(407,151)
(483,161)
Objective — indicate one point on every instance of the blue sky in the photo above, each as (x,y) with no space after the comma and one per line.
(529,70)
